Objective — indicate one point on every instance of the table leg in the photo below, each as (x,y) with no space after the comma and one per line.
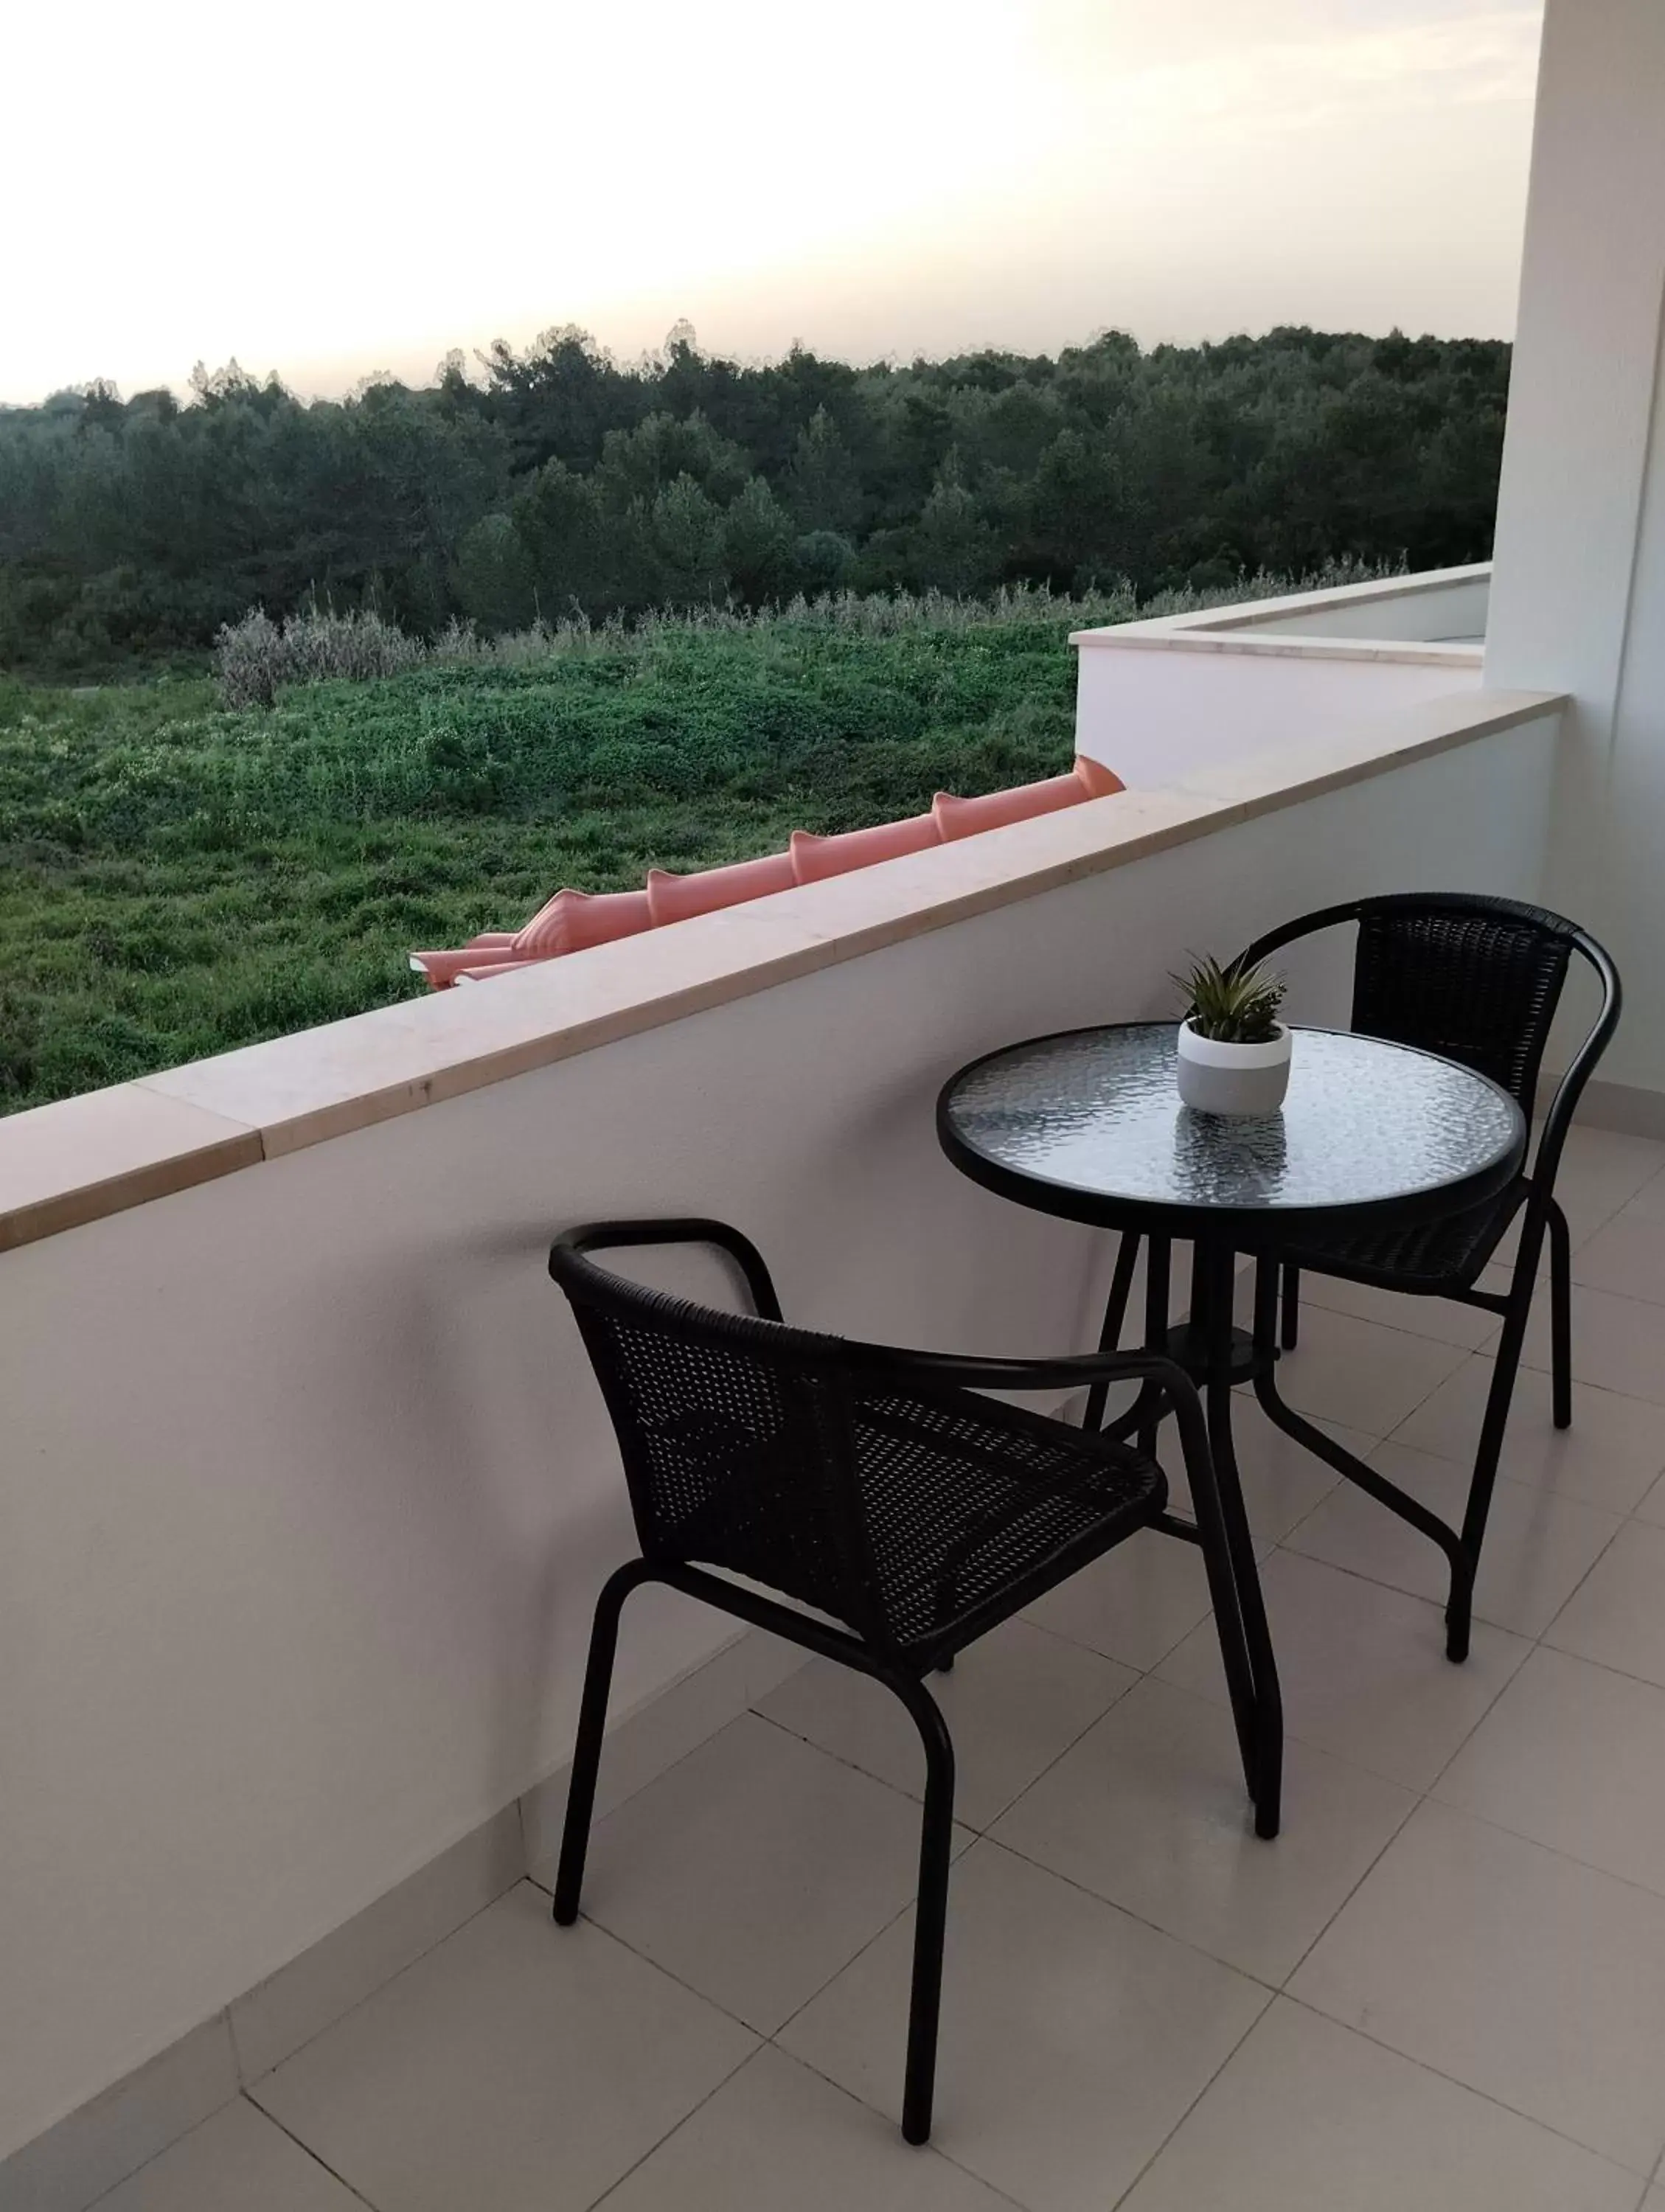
(1212,1283)
(1110,1336)
(1324,1447)
(1156,1254)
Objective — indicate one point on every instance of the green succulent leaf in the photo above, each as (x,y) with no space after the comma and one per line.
(1232,1005)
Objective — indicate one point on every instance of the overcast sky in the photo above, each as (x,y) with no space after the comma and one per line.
(331,188)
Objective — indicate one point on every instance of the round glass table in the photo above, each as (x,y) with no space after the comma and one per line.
(1088,1124)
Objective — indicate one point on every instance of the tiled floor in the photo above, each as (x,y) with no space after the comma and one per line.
(1443,1986)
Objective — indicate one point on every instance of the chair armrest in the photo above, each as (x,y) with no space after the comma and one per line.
(980,1374)
(972,1372)
(602,1236)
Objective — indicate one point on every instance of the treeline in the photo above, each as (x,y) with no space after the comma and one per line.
(559,482)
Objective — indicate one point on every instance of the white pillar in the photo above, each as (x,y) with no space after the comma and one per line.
(1578,587)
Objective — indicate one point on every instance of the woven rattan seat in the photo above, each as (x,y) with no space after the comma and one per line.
(964,1499)
(1430,1259)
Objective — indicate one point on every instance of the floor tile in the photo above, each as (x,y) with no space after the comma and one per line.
(778,2135)
(1617,1344)
(1601,1172)
(1354,1371)
(1498,1272)
(1652,1508)
(1445,1320)
(1573,1756)
(1134,1604)
(1282,1480)
(1073,2037)
(1013,1702)
(1149,1810)
(1609,1457)
(517,2066)
(1533,1979)
(1616,1615)
(1626,1256)
(1363,1669)
(754,1869)
(1498,1276)
(654,1737)
(1307,2116)
(1538,1548)
(1649,1203)
(238,2161)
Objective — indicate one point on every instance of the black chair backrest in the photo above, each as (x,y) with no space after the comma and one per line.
(1478,988)
(1477,980)
(736,1438)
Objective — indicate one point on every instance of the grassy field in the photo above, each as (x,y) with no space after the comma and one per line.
(177,877)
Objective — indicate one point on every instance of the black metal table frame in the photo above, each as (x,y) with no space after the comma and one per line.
(1218,1356)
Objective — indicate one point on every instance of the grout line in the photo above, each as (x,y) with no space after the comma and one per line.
(1127,1912)
(1605,1666)
(659,2142)
(682,1758)
(238,2065)
(934,2149)
(1191,2107)
(1550,1851)
(1139,1675)
(1523,1635)
(1520,1835)
(878,1936)
(284,2129)
(1486,2097)
(370,1996)
(852,1767)
(1418,1799)
(658,1966)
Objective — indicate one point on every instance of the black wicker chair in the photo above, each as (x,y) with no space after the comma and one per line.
(872,1484)
(1477,980)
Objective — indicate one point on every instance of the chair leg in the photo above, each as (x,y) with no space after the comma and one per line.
(1560,1315)
(592,1727)
(1291,1327)
(1459,1610)
(931,1915)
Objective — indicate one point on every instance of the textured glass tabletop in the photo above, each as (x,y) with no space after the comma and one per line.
(1097,1113)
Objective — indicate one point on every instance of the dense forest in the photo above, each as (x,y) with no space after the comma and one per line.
(558,481)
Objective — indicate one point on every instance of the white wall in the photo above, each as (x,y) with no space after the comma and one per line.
(1578,587)
(307,1491)
(1157,713)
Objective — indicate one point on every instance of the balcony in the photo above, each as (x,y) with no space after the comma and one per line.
(309,1493)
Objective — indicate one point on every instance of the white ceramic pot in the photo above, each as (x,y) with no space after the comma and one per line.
(1233,1079)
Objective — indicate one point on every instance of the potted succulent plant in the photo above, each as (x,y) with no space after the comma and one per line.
(1234,1053)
